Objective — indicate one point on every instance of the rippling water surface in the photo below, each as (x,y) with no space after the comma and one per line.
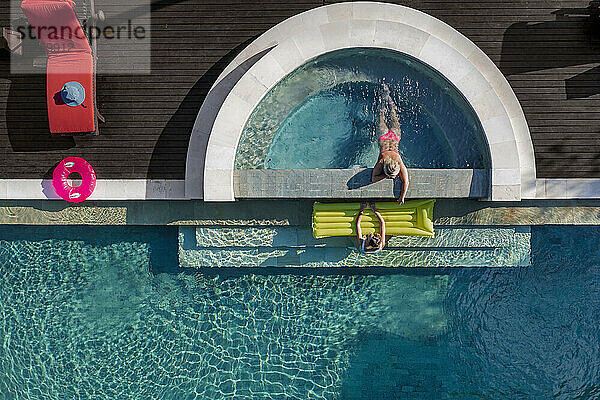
(106,313)
(325,115)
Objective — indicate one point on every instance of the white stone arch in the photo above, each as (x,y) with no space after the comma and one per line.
(299,39)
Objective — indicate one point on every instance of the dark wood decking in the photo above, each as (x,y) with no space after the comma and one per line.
(549,53)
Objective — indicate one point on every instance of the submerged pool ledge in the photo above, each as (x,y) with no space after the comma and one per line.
(295,246)
(356,184)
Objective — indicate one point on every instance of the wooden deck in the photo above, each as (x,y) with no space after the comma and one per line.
(549,51)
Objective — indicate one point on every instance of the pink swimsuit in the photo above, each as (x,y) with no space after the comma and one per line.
(391,135)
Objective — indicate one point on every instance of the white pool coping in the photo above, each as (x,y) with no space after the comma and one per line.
(106,189)
(361,24)
(156,189)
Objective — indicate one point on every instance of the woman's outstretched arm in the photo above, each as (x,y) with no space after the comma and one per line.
(404,177)
(381,224)
(358,219)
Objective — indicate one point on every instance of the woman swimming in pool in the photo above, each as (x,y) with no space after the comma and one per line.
(389,164)
(373,242)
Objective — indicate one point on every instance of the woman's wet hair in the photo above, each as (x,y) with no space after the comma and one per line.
(391,167)
(372,241)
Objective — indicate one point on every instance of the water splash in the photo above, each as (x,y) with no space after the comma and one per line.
(325,115)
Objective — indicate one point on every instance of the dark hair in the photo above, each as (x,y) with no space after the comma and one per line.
(372,241)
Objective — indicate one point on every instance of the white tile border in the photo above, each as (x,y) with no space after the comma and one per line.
(573,188)
(106,189)
(360,24)
(163,189)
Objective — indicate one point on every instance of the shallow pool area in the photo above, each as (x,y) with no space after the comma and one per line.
(295,247)
(325,115)
(107,312)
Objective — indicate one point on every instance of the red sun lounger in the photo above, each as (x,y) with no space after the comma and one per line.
(70,73)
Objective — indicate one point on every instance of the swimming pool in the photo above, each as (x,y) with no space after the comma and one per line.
(325,113)
(101,312)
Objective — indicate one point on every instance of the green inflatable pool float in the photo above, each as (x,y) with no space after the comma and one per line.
(413,218)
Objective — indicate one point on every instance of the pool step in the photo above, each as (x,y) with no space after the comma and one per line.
(293,236)
(286,246)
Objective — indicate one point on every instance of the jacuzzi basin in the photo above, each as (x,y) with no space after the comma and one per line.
(325,115)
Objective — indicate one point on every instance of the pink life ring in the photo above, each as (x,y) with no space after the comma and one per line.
(65,168)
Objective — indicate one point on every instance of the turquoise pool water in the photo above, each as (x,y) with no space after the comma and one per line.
(106,313)
(325,115)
